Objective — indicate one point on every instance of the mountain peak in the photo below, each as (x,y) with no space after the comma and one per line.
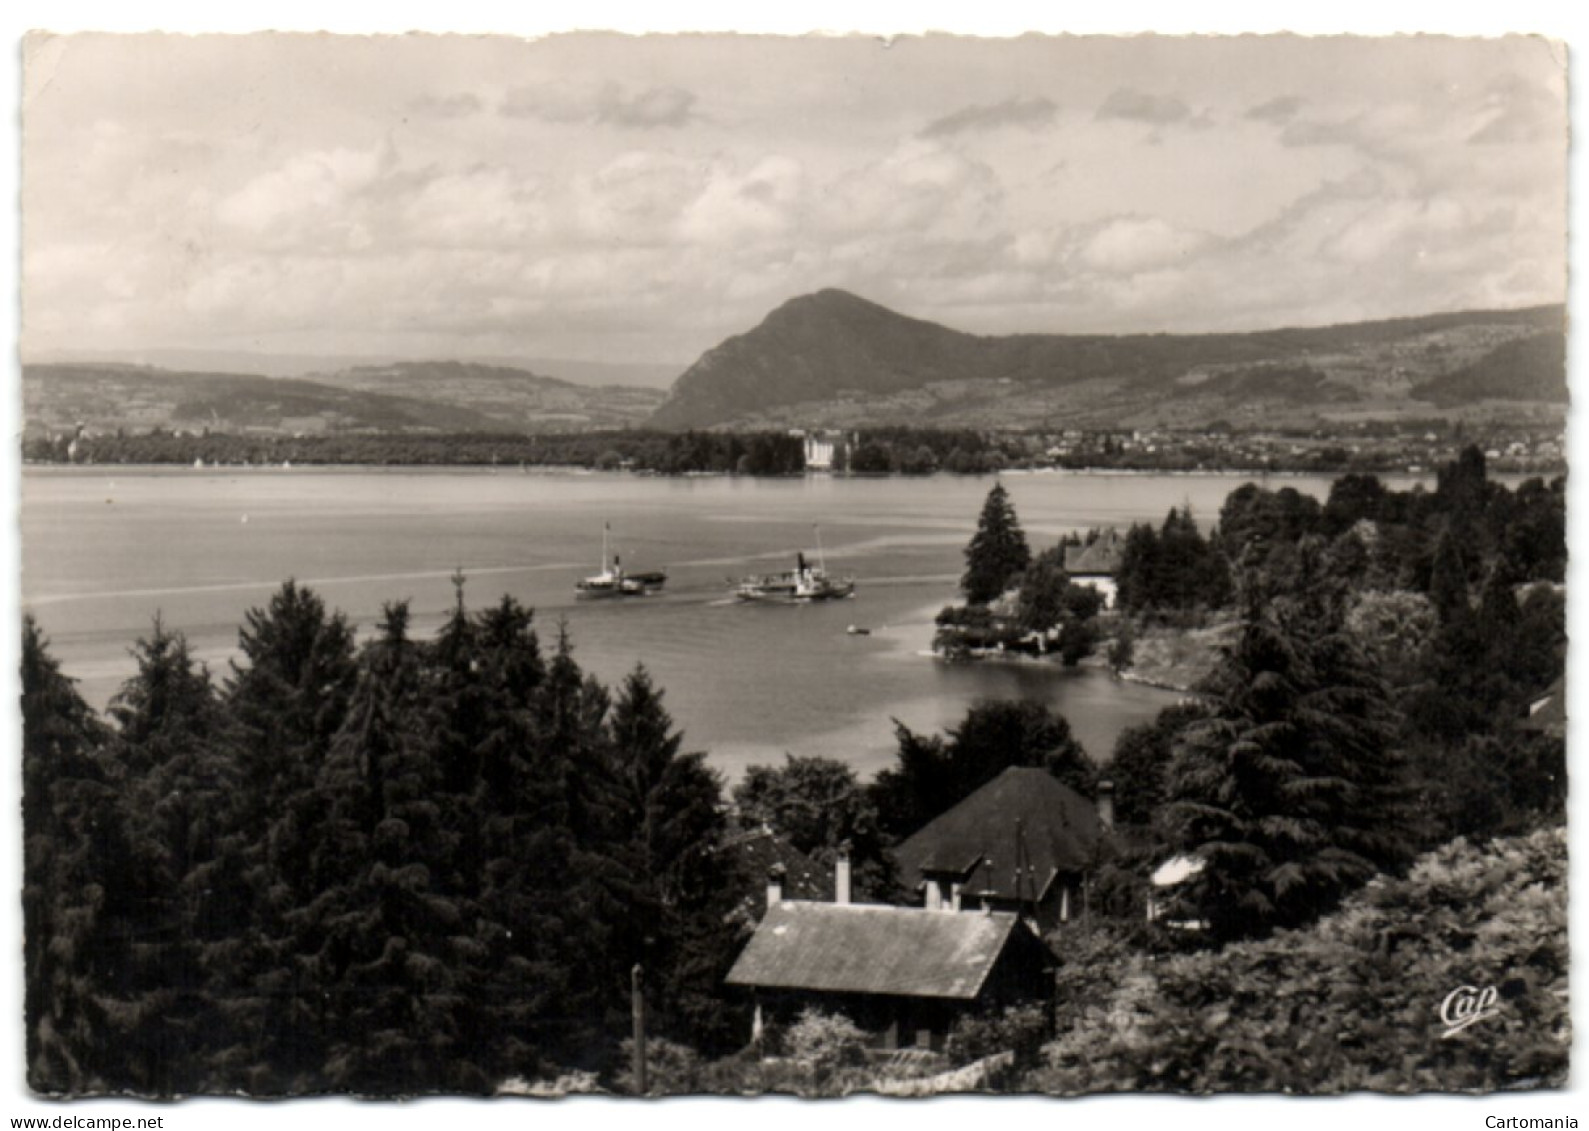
(832,358)
(814,347)
(830,302)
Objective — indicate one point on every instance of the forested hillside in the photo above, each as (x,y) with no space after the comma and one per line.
(390,865)
(393,868)
(402,398)
(832,359)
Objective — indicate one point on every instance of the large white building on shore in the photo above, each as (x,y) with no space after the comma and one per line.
(827,449)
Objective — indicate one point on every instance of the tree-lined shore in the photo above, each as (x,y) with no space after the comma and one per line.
(385,865)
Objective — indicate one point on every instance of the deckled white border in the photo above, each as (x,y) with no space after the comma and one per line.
(1563,20)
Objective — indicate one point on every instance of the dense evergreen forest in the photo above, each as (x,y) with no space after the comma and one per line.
(1373,701)
(883,450)
(751,453)
(403,865)
(895,450)
(396,868)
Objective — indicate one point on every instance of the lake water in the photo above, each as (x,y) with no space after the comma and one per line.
(104,550)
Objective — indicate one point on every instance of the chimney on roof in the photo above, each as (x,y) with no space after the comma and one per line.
(775,876)
(1106,804)
(841,875)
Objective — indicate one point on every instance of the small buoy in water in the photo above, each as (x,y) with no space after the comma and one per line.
(855,630)
(245,520)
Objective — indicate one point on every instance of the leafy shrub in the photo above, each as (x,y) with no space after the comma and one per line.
(825,1041)
(1020,1029)
(672,1069)
(1395,630)
(1352,1003)
(1123,650)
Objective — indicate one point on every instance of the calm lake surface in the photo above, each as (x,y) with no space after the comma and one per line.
(104,550)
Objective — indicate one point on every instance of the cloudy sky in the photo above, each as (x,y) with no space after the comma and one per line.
(621,199)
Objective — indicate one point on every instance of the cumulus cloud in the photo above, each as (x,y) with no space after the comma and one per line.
(637,198)
(477,207)
(1306,132)
(1516,112)
(1404,229)
(547,102)
(1129,245)
(735,207)
(653,108)
(640,222)
(1030,113)
(1301,228)
(1132,105)
(351,200)
(920,187)
(613,104)
(446,106)
(316,185)
(1279,110)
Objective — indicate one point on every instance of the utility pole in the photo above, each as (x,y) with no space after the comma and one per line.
(638,1008)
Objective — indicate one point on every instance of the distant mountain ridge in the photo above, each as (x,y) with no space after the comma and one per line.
(436,396)
(244,363)
(512,397)
(834,359)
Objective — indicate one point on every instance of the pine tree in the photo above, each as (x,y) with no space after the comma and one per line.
(1448,578)
(1041,603)
(997,553)
(379,952)
(1141,755)
(1139,569)
(673,878)
(67,799)
(933,774)
(914,789)
(1291,792)
(290,695)
(571,757)
(288,698)
(820,805)
(177,757)
(530,946)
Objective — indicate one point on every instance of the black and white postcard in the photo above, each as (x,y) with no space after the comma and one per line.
(606,565)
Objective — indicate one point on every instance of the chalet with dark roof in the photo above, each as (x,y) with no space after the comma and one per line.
(903,974)
(1097,563)
(1022,843)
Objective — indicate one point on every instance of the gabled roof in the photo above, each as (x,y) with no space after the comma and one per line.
(872,949)
(1024,817)
(1101,559)
(1548,712)
(755,851)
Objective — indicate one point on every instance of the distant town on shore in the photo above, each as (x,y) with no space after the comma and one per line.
(832,382)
